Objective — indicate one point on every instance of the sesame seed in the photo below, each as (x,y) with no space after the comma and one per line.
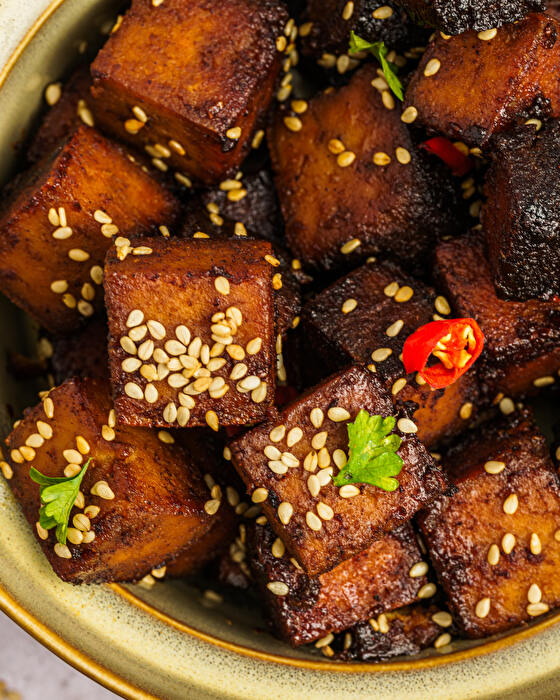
(212,420)
(53,93)
(557,535)
(350,246)
(409,115)
(289,460)
(59,286)
(107,433)
(465,412)
(135,318)
(272,260)
(387,99)
(508,543)
(348,11)
(165,437)
(183,179)
(349,305)
(335,146)
(103,490)
(277,433)
(133,126)
(257,139)
(277,281)
(313,485)
(62,551)
(299,106)
(442,306)
(278,548)
(48,407)
(536,123)
(402,155)
(427,591)
(133,391)
(325,511)
(278,467)
(404,294)
(151,393)
(482,607)
(510,504)
(383,12)
(310,461)
(293,123)
(543,381)
(345,159)
(62,233)
(259,495)
(338,414)
(281,43)
(493,467)
(395,328)
(72,456)
(294,436)
(272,452)
(535,609)
(234,133)
(285,512)
(442,618)
(493,555)
(380,158)
(381,354)
(44,430)
(222,285)
(487,35)
(16,456)
(398,386)
(432,67)
(259,394)
(534,594)
(254,346)
(212,506)
(348,491)
(69,300)
(82,445)
(71,470)
(278,588)
(339,458)
(535,544)
(313,522)
(405,425)
(442,641)
(507,406)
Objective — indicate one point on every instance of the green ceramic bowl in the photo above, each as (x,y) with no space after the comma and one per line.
(165,642)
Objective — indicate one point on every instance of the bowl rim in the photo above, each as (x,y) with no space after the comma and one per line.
(119,685)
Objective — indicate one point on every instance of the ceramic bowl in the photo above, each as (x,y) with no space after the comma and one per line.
(167,642)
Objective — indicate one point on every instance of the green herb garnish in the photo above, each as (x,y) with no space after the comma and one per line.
(58,495)
(372,457)
(380,51)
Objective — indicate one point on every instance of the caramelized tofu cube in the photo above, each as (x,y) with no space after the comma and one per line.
(188,81)
(457,16)
(290,459)
(306,609)
(493,543)
(339,206)
(69,112)
(192,332)
(141,499)
(366,317)
(399,633)
(502,80)
(522,339)
(82,353)
(521,217)
(57,225)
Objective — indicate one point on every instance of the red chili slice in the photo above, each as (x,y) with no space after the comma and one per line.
(455,343)
(459,163)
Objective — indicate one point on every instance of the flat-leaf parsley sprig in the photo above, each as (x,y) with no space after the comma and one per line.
(372,457)
(380,51)
(58,495)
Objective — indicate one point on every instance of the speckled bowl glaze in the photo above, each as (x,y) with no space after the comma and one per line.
(165,642)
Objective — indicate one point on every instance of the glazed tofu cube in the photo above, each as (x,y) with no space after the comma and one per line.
(290,459)
(522,339)
(306,609)
(70,110)
(192,338)
(521,216)
(141,499)
(457,16)
(503,80)
(332,21)
(58,224)
(69,359)
(351,183)
(188,81)
(495,543)
(366,317)
(400,633)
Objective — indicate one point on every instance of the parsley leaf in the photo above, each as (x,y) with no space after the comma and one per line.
(372,455)
(380,51)
(58,495)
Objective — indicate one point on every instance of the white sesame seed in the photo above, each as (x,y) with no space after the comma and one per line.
(212,420)
(507,406)
(345,159)
(316,417)
(339,458)
(165,437)
(427,591)
(348,491)
(493,555)
(212,506)
(465,412)
(319,440)
(534,594)
(409,115)
(383,12)
(442,618)
(543,381)
(535,609)
(405,425)
(254,346)
(487,35)
(338,414)
(380,158)
(395,328)
(285,512)
(278,548)
(535,544)
(483,607)
(313,522)
(419,569)
(508,543)
(432,67)
(133,390)
(135,318)
(348,306)
(259,495)
(398,386)
(48,407)
(510,504)
(222,285)
(103,490)
(442,641)
(403,156)
(293,123)
(350,246)
(82,445)
(278,588)
(62,551)
(324,511)
(494,467)
(277,433)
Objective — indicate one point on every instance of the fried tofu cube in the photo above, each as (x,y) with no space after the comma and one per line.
(287,463)
(522,339)
(401,632)
(365,317)
(59,222)
(503,80)
(493,543)
(69,359)
(457,16)
(174,81)
(306,609)
(192,339)
(332,21)
(141,499)
(69,112)
(352,184)
(521,216)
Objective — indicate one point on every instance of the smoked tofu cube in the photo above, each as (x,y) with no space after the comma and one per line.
(141,499)
(495,544)
(352,184)
(306,609)
(522,339)
(457,16)
(366,317)
(59,222)
(70,111)
(401,632)
(188,81)
(502,80)
(290,459)
(521,216)
(192,338)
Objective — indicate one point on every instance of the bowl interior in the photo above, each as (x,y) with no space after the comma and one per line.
(76,28)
